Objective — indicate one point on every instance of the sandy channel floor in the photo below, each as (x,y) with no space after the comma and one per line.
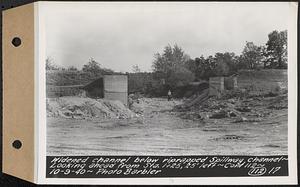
(161,132)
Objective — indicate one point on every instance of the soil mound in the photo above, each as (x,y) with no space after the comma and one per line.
(81,108)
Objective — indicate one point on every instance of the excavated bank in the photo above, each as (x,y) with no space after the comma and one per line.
(82,108)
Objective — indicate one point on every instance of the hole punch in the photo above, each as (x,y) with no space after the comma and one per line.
(17,144)
(16,41)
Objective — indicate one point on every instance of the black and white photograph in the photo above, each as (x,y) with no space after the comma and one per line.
(167,79)
(169,92)
(156,93)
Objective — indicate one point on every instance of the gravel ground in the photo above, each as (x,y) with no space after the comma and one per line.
(160,131)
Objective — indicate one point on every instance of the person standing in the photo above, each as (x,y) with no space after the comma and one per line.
(130,101)
(169,95)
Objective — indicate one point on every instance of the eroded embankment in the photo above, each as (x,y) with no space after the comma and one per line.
(236,105)
(82,108)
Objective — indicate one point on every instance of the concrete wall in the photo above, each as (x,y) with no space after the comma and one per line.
(112,87)
(116,88)
(230,83)
(216,85)
(95,88)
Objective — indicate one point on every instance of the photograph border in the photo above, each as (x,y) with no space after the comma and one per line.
(40,121)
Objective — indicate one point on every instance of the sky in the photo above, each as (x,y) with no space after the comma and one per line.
(120,35)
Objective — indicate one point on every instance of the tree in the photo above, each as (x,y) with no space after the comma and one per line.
(136,69)
(72,68)
(276,51)
(180,77)
(251,57)
(172,58)
(93,67)
(171,66)
(201,67)
(225,64)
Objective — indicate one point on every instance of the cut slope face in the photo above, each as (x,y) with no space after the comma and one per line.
(81,108)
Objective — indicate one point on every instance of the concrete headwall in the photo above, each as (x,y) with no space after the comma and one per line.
(116,88)
(216,85)
(230,83)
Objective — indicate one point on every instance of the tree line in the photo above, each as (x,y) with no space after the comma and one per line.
(177,68)
(92,67)
(174,69)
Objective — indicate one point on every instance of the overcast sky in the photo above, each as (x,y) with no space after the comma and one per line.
(120,35)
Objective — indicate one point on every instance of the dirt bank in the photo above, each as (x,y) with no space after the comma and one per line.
(237,106)
(84,108)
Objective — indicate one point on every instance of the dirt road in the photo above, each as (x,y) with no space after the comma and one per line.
(161,132)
